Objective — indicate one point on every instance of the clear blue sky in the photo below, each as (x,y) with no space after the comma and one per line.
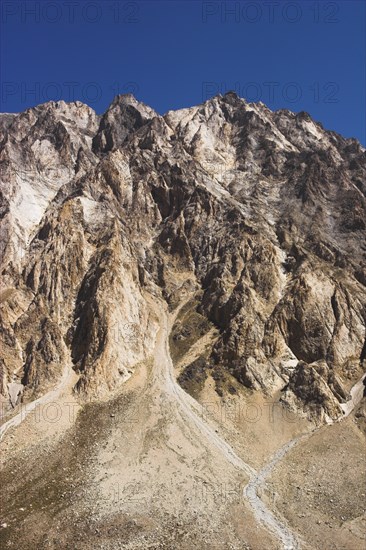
(300,55)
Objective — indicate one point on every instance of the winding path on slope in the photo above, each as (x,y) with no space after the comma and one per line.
(193,413)
(257,481)
(48,397)
(165,378)
(356,396)
(190,406)
(263,514)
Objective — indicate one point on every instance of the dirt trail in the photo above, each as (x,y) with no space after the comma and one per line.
(189,405)
(258,482)
(356,396)
(257,479)
(193,413)
(67,376)
(164,382)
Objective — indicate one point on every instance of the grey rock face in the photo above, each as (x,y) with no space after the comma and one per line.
(15,390)
(266,210)
(123,117)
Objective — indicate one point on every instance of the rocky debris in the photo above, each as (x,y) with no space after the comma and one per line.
(318,388)
(15,390)
(360,415)
(264,210)
(194,376)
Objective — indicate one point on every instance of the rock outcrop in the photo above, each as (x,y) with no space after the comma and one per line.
(265,210)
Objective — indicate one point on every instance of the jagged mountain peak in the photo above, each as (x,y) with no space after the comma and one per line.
(124,116)
(221,189)
(73,111)
(129,99)
(218,251)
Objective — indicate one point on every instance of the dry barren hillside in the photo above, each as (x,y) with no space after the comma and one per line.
(182,327)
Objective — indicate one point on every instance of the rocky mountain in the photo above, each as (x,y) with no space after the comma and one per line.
(182,329)
(260,215)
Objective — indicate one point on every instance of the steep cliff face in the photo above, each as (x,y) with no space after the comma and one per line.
(265,210)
